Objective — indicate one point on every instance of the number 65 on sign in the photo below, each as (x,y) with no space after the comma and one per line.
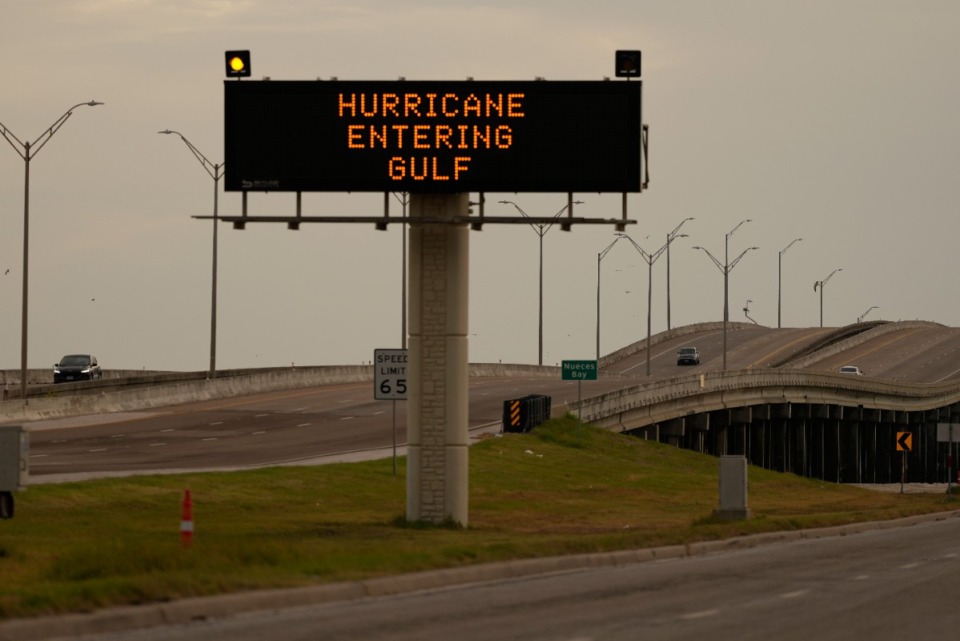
(390,374)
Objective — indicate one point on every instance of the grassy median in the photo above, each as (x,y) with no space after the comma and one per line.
(560,490)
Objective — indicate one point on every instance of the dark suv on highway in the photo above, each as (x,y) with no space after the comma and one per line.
(77,367)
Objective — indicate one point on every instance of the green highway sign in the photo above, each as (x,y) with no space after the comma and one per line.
(579,370)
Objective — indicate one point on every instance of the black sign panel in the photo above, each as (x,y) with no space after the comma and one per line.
(433,136)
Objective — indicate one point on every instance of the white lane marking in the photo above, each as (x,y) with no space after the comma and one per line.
(165,431)
(947,376)
(39,455)
(217,423)
(794,594)
(862,577)
(378,413)
(157,444)
(209,439)
(118,436)
(304,425)
(951,555)
(101,449)
(260,415)
(699,615)
(347,418)
(909,566)
(299,409)
(260,432)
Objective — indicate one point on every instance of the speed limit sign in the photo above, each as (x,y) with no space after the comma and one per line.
(390,374)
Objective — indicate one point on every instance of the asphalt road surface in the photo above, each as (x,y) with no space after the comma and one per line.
(880,585)
(261,429)
(928,354)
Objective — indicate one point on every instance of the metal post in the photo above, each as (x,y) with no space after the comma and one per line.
(213,284)
(541,229)
(599,256)
(403,311)
(779,263)
(950,461)
(579,405)
(726,301)
(649,305)
(26,267)
(540,325)
(821,304)
(650,260)
(820,284)
(779,268)
(670,238)
(215,171)
(725,268)
(668,281)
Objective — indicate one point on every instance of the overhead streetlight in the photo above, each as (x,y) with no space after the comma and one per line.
(820,284)
(216,172)
(27,150)
(541,229)
(725,268)
(404,199)
(599,258)
(670,238)
(864,315)
(650,259)
(779,263)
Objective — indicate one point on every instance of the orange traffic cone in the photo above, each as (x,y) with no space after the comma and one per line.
(186,521)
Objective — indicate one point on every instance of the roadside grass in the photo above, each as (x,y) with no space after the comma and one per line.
(559,490)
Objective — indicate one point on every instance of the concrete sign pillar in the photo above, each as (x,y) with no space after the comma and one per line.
(438,374)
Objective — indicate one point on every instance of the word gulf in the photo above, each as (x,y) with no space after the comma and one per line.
(412,133)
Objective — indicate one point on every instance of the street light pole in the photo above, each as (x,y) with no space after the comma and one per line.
(670,238)
(216,172)
(650,259)
(779,263)
(27,150)
(403,276)
(599,258)
(820,284)
(864,315)
(541,229)
(725,268)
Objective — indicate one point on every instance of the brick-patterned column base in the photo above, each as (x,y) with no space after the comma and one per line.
(438,376)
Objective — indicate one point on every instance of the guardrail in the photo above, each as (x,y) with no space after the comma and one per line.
(656,402)
(143,392)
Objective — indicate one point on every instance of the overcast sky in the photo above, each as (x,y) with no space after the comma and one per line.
(831,120)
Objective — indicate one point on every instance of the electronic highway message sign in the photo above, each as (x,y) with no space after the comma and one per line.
(433,136)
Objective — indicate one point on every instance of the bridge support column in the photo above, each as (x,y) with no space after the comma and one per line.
(438,403)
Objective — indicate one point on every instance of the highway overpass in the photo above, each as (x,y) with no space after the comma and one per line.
(780,402)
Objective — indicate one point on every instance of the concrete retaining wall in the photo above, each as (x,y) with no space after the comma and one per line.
(693,394)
